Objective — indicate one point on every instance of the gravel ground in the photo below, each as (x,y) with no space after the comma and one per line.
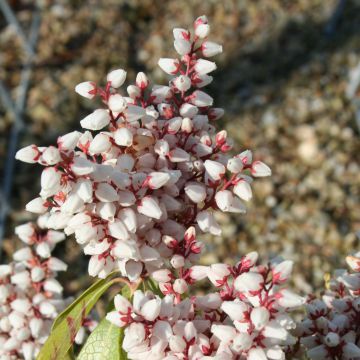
(282,80)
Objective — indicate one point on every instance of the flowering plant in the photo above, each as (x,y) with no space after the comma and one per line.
(136,188)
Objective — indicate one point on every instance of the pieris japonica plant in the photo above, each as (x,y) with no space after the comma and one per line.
(137,189)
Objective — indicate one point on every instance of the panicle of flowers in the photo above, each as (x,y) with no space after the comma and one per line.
(149,166)
(246,317)
(30,295)
(331,328)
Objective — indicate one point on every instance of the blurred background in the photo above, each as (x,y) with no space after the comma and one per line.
(288,79)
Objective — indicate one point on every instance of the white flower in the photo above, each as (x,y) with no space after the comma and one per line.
(96,120)
(259,169)
(170,66)
(116,77)
(210,48)
(28,154)
(86,89)
(203,67)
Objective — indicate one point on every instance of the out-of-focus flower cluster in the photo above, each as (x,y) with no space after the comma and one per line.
(153,166)
(331,329)
(245,319)
(30,295)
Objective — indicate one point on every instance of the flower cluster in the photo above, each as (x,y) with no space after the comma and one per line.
(154,167)
(30,295)
(331,329)
(245,319)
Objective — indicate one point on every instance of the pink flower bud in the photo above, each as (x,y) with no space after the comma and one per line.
(180,286)
(246,157)
(151,309)
(100,144)
(201,99)
(86,89)
(210,48)
(142,80)
(117,103)
(182,83)
(259,169)
(207,223)
(162,275)
(235,165)
(214,170)
(201,81)
(36,325)
(118,230)
(201,26)
(123,137)
(174,125)
(116,78)
(236,310)
(170,66)
(69,141)
(133,91)
(96,120)
(122,304)
(178,155)
(282,271)
(156,180)
(106,193)
(160,93)
(23,254)
(134,113)
(249,282)
(161,147)
(259,317)
(51,155)
(182,46)
(72,204)
(198,272)
(149,206)
(181,34)
(28,154)
(203,67)
(188,110)
(288,299)
(36,206)
(177,261)
(55,264)
(195,191)
(243,190)
(52,285)
(177,344)
(26,232)
(187,125)
(43,249)
(224,333)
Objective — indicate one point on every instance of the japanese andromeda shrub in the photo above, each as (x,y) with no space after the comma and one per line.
(137,188)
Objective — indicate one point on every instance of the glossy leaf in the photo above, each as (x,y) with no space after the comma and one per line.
(70,320)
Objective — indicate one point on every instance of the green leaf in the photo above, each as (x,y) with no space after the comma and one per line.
(70,320)
(104,343)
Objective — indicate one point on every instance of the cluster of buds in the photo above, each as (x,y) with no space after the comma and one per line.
(245,318)
(331,329)
(155,166)
(30,295)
